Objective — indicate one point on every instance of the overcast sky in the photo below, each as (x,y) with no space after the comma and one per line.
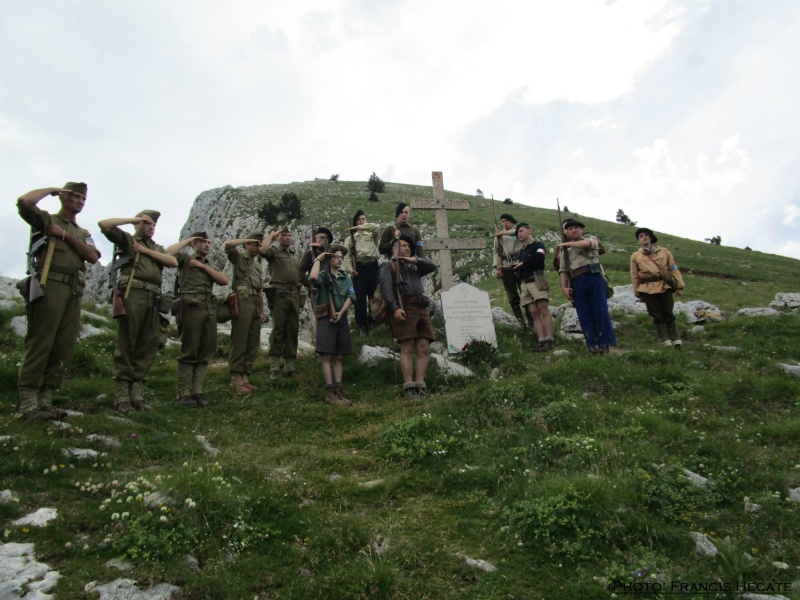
(683,113)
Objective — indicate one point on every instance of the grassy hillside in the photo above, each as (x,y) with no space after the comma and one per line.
(733,277)
(566,473)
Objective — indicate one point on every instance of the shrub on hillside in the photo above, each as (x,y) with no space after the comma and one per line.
(375,184)
(289,205)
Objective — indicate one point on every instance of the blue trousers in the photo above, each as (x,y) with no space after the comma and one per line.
(589,291)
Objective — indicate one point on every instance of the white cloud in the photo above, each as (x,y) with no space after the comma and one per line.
(791,213)
(790,249)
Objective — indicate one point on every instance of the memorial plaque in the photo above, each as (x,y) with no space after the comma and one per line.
(467,316)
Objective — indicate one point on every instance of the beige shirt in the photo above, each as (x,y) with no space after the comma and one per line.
(581,257)
(645,266)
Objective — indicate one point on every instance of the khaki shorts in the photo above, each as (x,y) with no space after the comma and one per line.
(531,293)
(416,325)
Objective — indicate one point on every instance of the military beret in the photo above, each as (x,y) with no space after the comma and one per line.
(337,248)
(359,213)
(79,187)
(404,238)
(523,224)
(255,235)
(199,234)
(399,209)
(508,217)
(649,232)
(573,223)
(153,214)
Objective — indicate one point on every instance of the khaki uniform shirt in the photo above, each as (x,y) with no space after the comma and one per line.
(581,257)
(65,259)
(246,273)
(148,270)
(367,238)
(646,266)
(511,250)
(283,266)
(194,281)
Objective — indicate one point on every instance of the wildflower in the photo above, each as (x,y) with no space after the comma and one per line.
(163,519)
(25,530)
(115,516)
(68,545)
(125,515)
(186,464)
(45,472)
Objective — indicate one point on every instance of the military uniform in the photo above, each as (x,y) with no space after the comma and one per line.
(139,330)
(388,239)
(511,248)
(589,294)
(649,285)
(365,250)
(54,321)
(246,328)
(198,327)
(284,274)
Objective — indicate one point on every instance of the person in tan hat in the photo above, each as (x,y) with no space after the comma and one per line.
(58,267)
(652,267)
(198,316)
(138,321)
(249,315)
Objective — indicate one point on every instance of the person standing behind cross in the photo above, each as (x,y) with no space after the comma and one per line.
(403,216)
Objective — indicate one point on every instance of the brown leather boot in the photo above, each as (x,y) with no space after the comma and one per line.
(340,393)
(137,397)
(248,384)
(238,384)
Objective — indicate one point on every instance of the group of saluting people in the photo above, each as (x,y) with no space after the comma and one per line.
(60,248)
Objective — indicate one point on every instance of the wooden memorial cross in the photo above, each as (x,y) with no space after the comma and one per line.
(443,244)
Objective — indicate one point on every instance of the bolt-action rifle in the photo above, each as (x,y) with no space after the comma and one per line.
(353,255)
(118,261)
(30,287)
(48,259)
(500,249)
(563,254)
(329,286)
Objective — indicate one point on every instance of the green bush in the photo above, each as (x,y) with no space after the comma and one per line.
(417,439)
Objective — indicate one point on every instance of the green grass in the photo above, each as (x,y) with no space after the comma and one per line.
(565,472)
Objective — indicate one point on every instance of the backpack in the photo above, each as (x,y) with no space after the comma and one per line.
(378,307)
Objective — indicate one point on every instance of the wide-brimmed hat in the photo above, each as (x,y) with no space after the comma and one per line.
(508,217)
(653,238)
(326,231)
